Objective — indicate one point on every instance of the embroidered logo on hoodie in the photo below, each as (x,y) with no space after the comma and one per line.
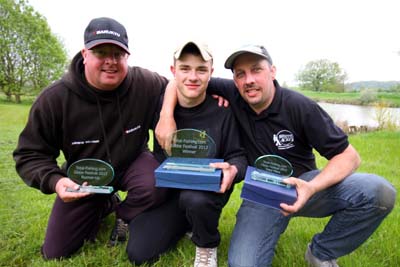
(74,143)
(283,140)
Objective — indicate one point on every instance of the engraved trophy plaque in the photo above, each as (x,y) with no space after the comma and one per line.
(187,164)
(97,173)
(263,182)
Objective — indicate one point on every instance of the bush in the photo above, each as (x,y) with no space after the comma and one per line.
(368,96)
(384,117)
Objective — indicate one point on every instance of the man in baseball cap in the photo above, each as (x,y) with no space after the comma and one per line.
(274,120)
(101,109)
(194,210)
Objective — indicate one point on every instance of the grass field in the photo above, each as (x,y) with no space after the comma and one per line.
(24,213)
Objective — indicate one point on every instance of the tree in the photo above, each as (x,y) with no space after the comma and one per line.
(31,56)
(322,75)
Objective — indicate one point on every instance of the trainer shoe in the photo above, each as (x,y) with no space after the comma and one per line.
(189,235)
(315,262)
(206,257)
(119,233)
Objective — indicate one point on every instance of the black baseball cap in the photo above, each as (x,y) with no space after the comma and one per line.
(252,49)
(105,31)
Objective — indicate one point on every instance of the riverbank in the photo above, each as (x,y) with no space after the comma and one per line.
(388,99)
(355,118)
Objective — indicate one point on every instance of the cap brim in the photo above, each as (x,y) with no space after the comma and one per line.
(97,42)
(231,59)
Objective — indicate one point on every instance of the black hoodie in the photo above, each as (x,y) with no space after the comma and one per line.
(83,122)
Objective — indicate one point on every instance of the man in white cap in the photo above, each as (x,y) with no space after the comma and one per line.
(101,109)
(278,121)
(195,211)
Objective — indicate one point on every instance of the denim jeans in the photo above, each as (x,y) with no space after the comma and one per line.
(358,205)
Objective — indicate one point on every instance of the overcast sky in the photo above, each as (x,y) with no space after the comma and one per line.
(363,36)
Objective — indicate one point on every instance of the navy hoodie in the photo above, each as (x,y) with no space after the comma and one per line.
(83,122)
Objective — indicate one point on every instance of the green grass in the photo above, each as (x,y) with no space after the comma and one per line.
(24,213)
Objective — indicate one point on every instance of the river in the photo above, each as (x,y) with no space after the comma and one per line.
(358,115)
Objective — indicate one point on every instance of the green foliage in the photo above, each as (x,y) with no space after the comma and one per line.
(395,88)
(24,214)
(385,118)
(322,75)
(31,56)
(368,96)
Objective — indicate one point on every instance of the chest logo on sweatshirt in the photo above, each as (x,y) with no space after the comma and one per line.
(74,143)
(283,140)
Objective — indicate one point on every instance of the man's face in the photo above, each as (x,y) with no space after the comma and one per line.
(106,66)
(254,78)
(192,74)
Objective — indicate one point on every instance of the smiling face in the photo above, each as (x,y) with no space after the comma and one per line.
(254,77)
(191,74)
(106,66)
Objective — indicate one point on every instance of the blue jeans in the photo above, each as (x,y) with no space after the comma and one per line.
(358,205)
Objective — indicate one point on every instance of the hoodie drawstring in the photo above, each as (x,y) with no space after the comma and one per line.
(120,121)
(103,130)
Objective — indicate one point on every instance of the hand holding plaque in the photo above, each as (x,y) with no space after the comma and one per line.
(97,173)
(187,165)
(263,183)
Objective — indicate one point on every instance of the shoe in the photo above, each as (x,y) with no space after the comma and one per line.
(189,235)
(315,262)
(119,233)
(112,204)
(206,257)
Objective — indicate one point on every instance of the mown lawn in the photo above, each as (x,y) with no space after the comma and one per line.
(24,213)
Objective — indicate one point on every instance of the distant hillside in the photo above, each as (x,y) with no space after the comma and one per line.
(356,86)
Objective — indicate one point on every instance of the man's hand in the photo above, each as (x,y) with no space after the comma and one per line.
(166,124)
(61,190)
(229,173)
(165,128)
(335,171)
(305,191)
(221,101)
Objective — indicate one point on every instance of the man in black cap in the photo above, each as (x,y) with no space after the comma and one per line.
(278,121)
(101,109)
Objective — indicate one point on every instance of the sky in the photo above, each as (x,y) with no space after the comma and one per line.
(362,36)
